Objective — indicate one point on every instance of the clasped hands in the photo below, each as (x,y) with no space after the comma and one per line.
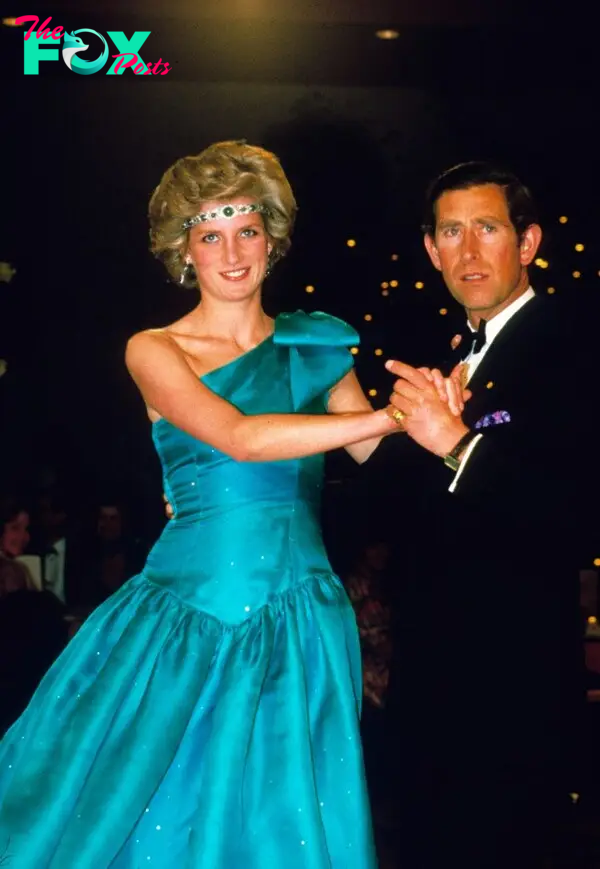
(430,405)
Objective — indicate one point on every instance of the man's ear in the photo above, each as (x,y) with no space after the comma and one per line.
(432,250)
(530,243)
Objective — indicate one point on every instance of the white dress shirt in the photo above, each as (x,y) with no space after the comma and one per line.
(54,569)
(493,328)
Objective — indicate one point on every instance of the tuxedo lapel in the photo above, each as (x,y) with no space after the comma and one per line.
(516,322)
(503,366)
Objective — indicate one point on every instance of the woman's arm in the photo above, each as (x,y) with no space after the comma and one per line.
(171,389)
(347,396)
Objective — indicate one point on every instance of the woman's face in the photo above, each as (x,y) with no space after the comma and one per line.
(15,535)
(230,256)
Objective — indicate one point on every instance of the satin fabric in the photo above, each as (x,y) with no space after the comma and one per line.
(206,716)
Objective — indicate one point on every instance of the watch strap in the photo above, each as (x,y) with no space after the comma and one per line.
(452,460)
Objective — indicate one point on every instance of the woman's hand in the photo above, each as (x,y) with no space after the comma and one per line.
(450,389)
(168,508)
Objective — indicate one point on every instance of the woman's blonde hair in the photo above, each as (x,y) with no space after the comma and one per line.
(223,171)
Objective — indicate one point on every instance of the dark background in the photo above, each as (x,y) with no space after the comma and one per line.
(360,124)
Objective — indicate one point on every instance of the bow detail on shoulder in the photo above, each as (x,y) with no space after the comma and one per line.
(319,355)
(317,329)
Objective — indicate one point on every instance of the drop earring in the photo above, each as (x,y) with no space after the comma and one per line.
(270,264)
(187,272)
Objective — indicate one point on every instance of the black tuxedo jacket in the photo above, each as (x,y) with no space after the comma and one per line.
(75,567)
(486,578)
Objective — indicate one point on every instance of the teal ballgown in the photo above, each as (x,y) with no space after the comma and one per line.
(206,716)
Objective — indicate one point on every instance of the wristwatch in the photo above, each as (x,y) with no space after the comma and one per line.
(452,460)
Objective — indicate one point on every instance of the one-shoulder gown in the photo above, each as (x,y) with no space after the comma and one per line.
(206,716)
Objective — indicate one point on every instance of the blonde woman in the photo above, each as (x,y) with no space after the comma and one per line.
(207,715)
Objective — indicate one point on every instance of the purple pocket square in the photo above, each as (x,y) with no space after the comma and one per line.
(490,419)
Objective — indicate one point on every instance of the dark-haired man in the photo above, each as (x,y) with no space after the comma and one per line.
(487,681)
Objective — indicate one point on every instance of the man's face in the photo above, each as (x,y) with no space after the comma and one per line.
(109,523)
(476,248)
(52,519)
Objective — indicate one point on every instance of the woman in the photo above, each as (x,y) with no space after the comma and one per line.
(14,537)
(206,715)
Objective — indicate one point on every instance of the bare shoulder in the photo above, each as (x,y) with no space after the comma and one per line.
(149,346)
(171,389)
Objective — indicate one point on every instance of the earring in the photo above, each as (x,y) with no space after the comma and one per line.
(187,272)
(270,264)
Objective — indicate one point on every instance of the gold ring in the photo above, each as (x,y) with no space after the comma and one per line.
(399,416)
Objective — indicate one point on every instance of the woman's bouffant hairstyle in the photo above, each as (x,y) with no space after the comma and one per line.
(222,172)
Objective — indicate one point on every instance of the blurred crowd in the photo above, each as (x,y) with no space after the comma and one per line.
(58,562)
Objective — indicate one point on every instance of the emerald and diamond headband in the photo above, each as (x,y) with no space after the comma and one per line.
(226,211)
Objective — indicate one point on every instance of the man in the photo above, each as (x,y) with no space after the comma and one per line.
(58,548)
(486,682)
(115,554)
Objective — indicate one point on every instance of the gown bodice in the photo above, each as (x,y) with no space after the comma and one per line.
(245,532)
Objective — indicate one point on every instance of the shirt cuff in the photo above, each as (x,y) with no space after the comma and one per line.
(464,461)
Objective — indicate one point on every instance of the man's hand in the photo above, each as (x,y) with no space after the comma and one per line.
(451,389)
(429,420)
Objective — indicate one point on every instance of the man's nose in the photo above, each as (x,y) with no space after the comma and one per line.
(470,247)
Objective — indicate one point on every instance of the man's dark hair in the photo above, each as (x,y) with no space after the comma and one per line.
(521,207)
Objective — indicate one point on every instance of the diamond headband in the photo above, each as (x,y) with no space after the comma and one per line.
(226,211)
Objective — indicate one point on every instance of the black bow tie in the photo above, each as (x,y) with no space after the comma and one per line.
(472,342)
